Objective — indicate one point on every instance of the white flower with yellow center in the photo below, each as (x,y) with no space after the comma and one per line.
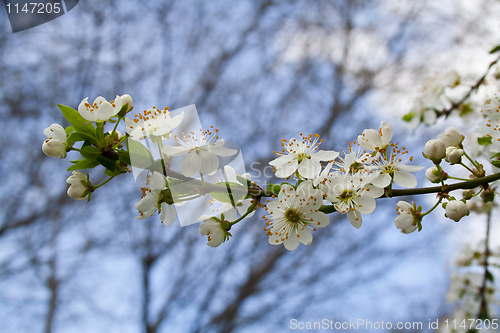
(352,195)
(376,140)
(101,109)
(302,156)
(202,152)
(294,214)
(153,123)
(392,165)
(154,199)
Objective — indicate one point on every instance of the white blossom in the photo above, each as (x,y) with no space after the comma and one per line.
(153,200)
(302,156)
(352,195)
(212,228)
(101,109)
(392,165)
(294,214)
(202,152)
(153,123)
(376,140)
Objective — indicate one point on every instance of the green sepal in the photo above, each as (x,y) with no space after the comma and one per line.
(484,141)
(76,120)
(140,157)
(495,49)
(496,163)
(83,163)
(489,276)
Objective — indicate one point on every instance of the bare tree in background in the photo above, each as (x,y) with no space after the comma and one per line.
(260,71)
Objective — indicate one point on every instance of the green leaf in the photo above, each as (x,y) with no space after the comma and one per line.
(484,141)
(80,136)
(69,129)
(76,120)
(140,157)
(124,157)
(90,152)
(495,49)
(408,117)
(107,162)
(83,163)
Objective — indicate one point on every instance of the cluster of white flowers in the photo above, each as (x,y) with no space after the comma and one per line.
(351,183)
(175,163)
(432,97)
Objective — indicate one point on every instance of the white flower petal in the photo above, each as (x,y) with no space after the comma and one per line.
(287,169)
(191,164)
(292,241)
(209,162)
(175,150)
(168,214)
(309,169)
(355,218)
(366,204)
(305,236)
(325,155)
(405,179)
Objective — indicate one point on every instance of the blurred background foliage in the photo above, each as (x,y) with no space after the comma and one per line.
(259,70)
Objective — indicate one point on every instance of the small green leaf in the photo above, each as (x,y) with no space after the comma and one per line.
(496,163)
(495,49)
(140,157)
(83,163)
(80,136)
(76,120)
(408,117)
(484,141)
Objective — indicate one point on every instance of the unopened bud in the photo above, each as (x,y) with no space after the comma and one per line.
(435,150)
(454,155)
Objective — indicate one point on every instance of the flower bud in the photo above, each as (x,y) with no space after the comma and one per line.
(435,150)
(456,209)
(432,174)
(78,185)
(450,137)
(454,155)
(53,148)
(55,144)
(405,219)
(127,105)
